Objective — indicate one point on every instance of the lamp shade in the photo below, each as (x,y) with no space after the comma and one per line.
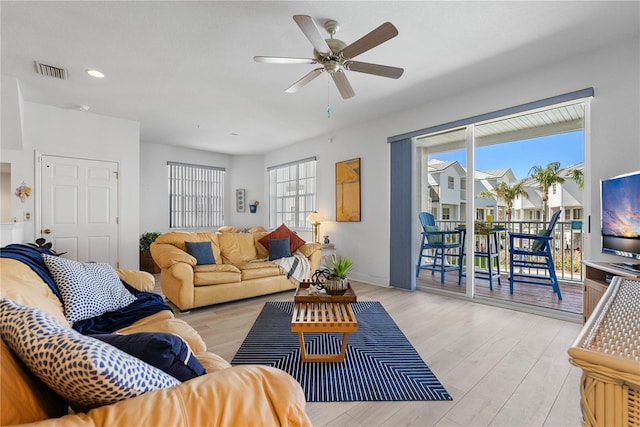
(314,217)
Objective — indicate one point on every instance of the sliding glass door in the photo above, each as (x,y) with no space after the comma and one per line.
(486,179)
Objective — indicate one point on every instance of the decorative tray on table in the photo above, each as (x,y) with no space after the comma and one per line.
(303,294)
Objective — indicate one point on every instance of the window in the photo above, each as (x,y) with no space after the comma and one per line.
(292,193)
(577,213)
(553,189)
(196,196)
(446,213)
(451,183)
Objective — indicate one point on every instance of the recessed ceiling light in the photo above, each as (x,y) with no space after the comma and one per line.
(95,73)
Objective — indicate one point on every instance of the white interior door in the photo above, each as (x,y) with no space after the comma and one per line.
(79,208)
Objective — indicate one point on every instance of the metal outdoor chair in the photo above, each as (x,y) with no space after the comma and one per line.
(435,245)
(529,254)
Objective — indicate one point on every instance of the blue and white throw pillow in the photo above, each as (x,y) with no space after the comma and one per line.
(88,289)
(86,372)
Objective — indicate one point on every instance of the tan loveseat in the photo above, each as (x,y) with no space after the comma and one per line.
(224,396)
(241,270)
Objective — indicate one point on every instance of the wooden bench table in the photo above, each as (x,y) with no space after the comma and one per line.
(323,317)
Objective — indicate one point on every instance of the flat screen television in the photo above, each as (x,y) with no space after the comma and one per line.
(620,201)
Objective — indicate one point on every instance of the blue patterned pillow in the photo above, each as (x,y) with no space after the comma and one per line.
(86,372)
(88,289)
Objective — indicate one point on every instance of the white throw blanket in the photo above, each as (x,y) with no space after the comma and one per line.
(296,266)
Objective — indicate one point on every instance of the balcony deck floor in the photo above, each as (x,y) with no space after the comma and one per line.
(536,295)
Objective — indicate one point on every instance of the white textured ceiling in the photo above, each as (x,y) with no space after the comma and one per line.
(185,70)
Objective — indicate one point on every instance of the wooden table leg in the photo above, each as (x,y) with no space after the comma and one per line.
(306,357)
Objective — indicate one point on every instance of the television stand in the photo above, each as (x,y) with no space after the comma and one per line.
(596,281)
(631,266)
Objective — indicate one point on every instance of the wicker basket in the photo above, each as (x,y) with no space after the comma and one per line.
(608,352)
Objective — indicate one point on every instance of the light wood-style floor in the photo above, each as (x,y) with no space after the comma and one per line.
(502,367)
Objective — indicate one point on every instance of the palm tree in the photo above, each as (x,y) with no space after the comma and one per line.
(578,176)
(508,193)
(545,177)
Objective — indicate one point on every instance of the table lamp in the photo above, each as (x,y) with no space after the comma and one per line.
(315,219)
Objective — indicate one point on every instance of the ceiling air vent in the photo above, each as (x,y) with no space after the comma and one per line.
(51,71)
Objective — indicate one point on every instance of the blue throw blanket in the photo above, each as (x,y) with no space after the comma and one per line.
(146,303)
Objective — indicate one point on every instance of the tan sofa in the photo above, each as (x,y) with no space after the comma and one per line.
(241,270)
(224,396)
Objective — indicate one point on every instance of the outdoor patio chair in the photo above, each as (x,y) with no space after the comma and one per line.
(531,254)
(436,246)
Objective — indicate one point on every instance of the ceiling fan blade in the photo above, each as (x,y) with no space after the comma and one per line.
(376,37)
(283,60)
(310,29)
(345,89)
(303,81)
(375,69)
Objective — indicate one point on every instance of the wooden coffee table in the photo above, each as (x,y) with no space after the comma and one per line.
(323,317)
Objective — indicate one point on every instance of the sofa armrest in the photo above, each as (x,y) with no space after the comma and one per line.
(141,280)
(309,248)
(242,395)
(313,251)
(166,255)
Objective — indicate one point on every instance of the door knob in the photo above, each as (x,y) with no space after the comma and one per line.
(46,231)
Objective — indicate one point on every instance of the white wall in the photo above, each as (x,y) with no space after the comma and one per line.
(154,200)
(612,147)
(248,172)
(56,131)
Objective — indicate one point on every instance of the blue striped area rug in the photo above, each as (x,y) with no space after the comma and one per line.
(380,365)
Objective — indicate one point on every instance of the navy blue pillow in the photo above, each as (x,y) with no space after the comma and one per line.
(201,251)
(163,350)
(279,248)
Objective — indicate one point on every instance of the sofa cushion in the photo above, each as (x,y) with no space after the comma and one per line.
(279,248)
(164,351)
(177,239)
(236,248)
(261,251)
(84,371)
(259,269)
(281,232)
(215,274)
(201,251)
(88,289)
(18,282)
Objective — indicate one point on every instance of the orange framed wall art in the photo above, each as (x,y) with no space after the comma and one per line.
(348,191)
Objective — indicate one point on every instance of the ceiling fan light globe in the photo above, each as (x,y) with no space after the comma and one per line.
(336,45)
(332,66)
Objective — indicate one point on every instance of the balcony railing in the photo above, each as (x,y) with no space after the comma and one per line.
(567,244)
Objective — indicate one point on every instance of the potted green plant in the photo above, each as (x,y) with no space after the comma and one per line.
(146,261)
(337,282)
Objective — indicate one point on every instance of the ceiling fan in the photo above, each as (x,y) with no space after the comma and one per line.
(335,57)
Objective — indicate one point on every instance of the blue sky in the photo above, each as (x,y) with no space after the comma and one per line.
(520,156)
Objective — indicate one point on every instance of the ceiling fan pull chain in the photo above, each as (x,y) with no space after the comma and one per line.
(328,97)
